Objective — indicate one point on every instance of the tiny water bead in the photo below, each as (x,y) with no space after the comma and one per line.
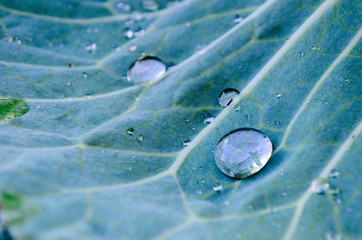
(243,152)
(146,69)
(227,96)
(208,118)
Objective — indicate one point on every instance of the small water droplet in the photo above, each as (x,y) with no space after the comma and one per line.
(84,75)
(279,95)
(301,54)
(346,80)
(320,186)
(120,5)
(146,69)
(331,236)
(217,188)
(193,128)
(70,65)
(334,173)
(67,84)
(132,48)
(199,192)
(140,138)
(188,24)
(129,169)
(91,48)
(129,34)
(150,5)
(243,152)
(227,96)
(237,108)
(130,131)
(194,168)
(139,32)
(186,120)
(314,48)
(208,118)
(203,181)
(186,142)
(237,18)
(133,156)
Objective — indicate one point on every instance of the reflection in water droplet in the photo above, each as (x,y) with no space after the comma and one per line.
(227,96)
(132,48)
(208,118)
(320,186)
(12,107)
(186,142)
(140,138)
(331,236)
(334,173)
(130,131)
(146,69)
(150,5)
(243,152)
(237,18)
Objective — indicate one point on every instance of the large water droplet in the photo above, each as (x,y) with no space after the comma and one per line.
(227,96)
(146,69)
(12,107)
(243,152)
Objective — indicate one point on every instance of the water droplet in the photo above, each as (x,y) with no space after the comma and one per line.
(320,186)
(186,120)
(208,118)
(279,95)
(301,54)
(130,131)
(120,5)
(243,152)
(186,142)
(91,48)
(12,107)
(237,18)
(188,24)
(331,236)
(84,75)
(217,188)
(150,5)
(227,96)
(67,84)
(132,48)
(346,80)
(70,65)
(237,108)
(129,34)
(140,138)
(334,173)
(146,69)
(139,32)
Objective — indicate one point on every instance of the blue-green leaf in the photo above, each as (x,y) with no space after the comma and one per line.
(86,154)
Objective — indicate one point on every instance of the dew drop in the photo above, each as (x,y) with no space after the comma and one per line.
(217,188)
(320,186)
(208,118)
(146,69)
(140,138)
(150,5)
(12,107)
(237,18)
(301,54)
(186,119)
(279,95)
(186,142)
(243,152)
(129,34)
(84,75)
(91,47)
(334,173)
(227,96)
(346,80)
(237,108)
(132,48)
(130,131)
